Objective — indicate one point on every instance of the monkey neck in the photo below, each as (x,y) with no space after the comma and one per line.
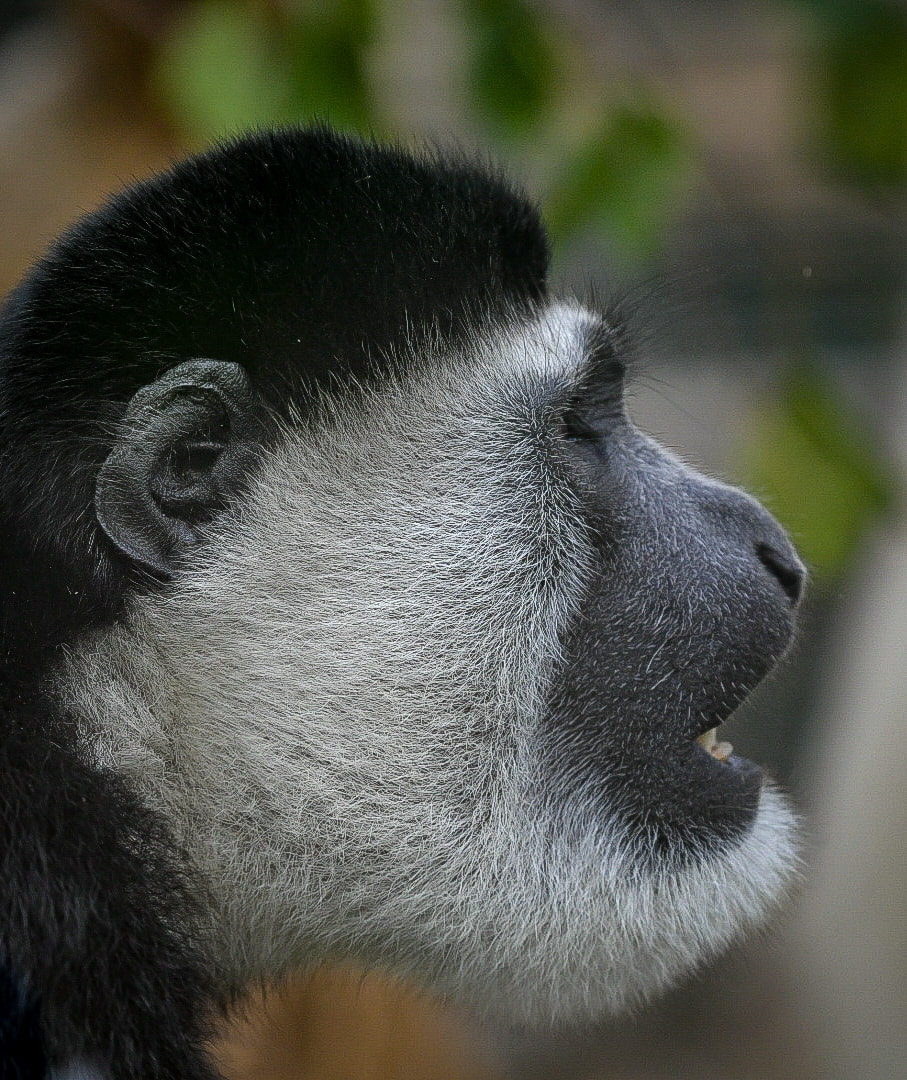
(223,799)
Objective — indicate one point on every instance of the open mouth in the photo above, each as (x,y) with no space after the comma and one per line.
(708,740)
(719,750)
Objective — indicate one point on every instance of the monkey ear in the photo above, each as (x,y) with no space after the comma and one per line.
(183,448)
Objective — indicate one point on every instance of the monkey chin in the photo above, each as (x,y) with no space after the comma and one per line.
(554,961)
(560,927)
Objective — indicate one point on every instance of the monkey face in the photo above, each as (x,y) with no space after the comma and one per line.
(346,559)
(437,681)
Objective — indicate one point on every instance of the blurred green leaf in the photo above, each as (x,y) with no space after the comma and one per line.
(861,90)
(627,179)
(327,47)
(224,69)
(822,478)
(513,68)
(231,65)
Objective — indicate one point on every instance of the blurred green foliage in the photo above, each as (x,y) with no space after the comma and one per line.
(628,179)
(233,64)
(859,89)
(328,49)
(620,163)
(810,459)
(514,64)
(220,74)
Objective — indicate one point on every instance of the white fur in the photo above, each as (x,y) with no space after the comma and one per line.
(338,709)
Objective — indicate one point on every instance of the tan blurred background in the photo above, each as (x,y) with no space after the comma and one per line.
(745,162)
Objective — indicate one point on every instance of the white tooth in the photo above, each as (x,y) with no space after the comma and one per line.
(708,739)
(721,750)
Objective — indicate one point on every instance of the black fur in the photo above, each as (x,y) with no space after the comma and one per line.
(21,1046)
(299,254)
(95,919)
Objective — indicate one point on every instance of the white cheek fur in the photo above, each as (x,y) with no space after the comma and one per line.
(337,709)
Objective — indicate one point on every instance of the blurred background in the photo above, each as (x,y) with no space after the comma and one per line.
(738,172)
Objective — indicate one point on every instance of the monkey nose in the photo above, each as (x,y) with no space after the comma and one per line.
(785,566)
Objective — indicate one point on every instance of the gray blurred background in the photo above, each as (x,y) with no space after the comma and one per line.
(736,172)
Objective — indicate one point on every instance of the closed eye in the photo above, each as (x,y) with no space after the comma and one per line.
(607,371)
(576,428)
(597,404)
(592,403)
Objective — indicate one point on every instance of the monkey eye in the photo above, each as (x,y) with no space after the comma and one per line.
(608,371)
(575,427)
(598,402)
(590,418)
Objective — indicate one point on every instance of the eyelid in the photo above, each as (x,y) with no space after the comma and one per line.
(575,428)
(612,371)
(603,374)
(595,400)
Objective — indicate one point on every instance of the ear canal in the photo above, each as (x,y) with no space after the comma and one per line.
(182,450)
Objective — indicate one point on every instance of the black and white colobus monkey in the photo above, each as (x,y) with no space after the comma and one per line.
(345,613)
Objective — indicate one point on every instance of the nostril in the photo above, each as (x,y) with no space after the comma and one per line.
(786,567)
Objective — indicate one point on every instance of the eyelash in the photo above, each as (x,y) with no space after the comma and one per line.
(602,395)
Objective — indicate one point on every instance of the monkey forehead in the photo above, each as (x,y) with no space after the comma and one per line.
(510,370)
(440,401)
(554,346)
(514,381)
